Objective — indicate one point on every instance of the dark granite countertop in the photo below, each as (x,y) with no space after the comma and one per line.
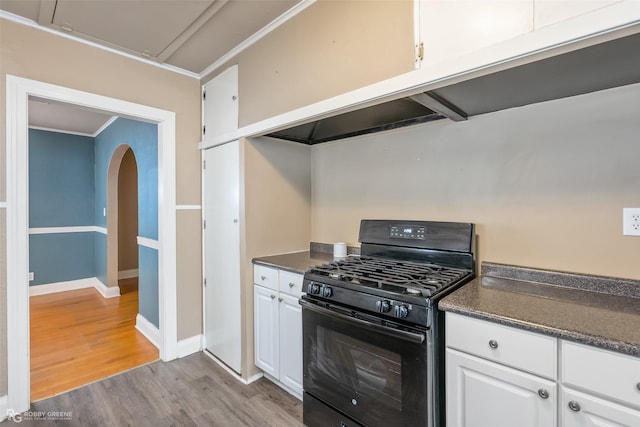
(296,262)
(593,310)
(299,262)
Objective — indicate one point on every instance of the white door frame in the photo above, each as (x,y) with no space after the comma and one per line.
(17,164)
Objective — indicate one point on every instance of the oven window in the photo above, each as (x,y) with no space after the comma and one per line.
(374,378)
(369,370)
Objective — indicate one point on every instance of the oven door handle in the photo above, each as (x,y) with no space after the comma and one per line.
(393,332)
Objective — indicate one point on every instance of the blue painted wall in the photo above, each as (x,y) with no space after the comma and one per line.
(148,284)
(61,257)
(143,140)
(61,194)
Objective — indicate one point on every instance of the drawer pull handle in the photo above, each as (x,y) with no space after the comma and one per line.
(279,299)
(493,344)
(272,296)
(263,277)
(291,284)
(574,406)
(543,393)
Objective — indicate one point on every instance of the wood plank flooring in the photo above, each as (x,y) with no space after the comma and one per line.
(193,391)
(78,337)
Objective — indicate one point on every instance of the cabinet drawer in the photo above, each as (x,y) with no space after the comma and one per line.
(265,276)
(509,346)
(291,283)
(582,409)
(603,372)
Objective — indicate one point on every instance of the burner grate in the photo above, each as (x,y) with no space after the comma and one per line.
(400,276)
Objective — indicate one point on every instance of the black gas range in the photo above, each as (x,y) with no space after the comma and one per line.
(373,336)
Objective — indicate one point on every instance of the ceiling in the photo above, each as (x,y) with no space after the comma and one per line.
(60,117)
(190,36)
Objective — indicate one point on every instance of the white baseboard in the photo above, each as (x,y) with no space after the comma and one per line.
(127,274)
(189,346)
(107,291)
(3,408)
(148,329)
(71,285)
(233,373)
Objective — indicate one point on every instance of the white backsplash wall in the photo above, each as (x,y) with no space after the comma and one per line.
(545,184)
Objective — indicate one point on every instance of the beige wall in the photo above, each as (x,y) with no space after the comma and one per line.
(276,182)
(34,54)
(128,213)
(545,183)
(330,48)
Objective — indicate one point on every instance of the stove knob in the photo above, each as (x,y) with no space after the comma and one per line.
(383,306)
(327,291)
(401,311)
(313,288)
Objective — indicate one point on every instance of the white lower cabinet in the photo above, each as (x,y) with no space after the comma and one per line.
(278,327)
(482,393)
(501,376)
(585,410)
(266,333)
(600,388)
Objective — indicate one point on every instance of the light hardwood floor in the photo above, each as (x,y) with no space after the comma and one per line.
(193,391)
(78,337)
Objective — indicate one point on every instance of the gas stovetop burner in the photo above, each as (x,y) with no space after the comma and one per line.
(398,276)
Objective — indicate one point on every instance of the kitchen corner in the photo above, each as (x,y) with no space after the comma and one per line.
(556,348)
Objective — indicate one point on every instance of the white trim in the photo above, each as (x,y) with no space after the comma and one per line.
(74,229)
(128,274)
(188,207)
(70,285)
(67,132)
(3,408)
(24,21)
(107,291)
(104,126)
(147,329)
(148,243)
(18,91)
(101,230)
(233,373)
(3,205)
(257,36)
(189,345)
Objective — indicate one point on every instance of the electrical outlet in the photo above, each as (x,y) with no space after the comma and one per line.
(31,276)
(631,221)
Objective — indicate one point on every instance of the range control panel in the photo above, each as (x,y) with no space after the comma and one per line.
(414,232)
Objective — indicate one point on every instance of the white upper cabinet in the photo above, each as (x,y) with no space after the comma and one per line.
(548,12)
(452,28)
(463,35)
(220,104)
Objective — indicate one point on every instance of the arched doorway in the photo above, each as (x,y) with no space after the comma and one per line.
(122,215)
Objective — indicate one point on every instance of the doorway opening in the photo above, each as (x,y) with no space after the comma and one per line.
(18,91)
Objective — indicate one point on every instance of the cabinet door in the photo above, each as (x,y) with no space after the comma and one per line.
(222,306)
(265,316)
(452,28)
(220,106)
(583,410)
(482,393)
(291,343)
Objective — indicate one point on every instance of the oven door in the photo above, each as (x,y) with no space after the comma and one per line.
(372,370)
